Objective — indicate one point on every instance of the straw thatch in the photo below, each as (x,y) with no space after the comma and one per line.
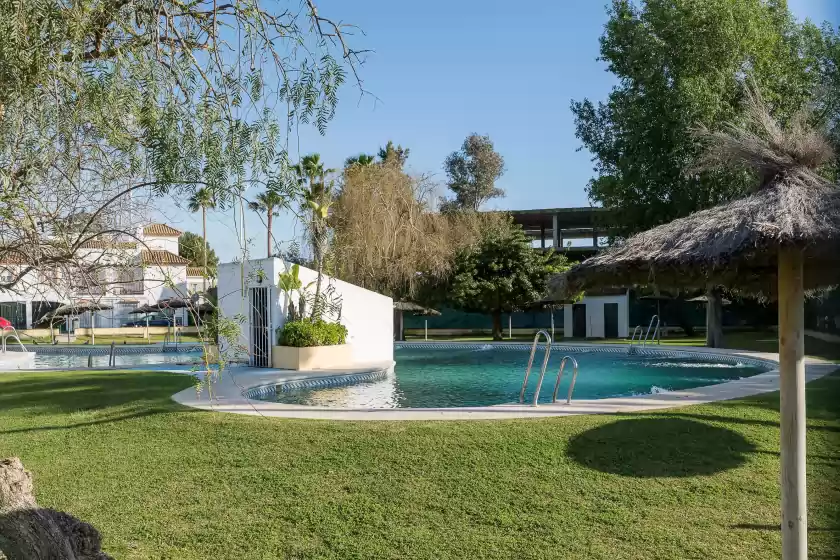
(415,308)
(736,244)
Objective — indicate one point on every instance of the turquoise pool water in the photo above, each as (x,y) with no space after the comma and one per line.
(153,361)
(484,375)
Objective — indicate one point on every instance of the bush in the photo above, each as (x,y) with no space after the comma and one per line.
(306,332)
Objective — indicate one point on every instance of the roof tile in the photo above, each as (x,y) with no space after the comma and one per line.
(160,256)
(161,230)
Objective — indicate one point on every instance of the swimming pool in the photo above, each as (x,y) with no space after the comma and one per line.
(484,375)
(158,360)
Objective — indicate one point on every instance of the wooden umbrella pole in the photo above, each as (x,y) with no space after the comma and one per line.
(792,389)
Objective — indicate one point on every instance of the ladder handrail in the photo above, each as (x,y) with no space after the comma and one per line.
(11,331)
(560,378)
(638,329)
(531,363)
(650,325)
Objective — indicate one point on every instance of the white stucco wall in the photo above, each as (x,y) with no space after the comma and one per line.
(367,315)
(166,243)
(595,316)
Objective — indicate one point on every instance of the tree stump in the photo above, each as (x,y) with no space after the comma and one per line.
(29,532)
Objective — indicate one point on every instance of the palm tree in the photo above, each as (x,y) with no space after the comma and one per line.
(393,154)
(362,160)
(203,200)
(269,203)
(317,198)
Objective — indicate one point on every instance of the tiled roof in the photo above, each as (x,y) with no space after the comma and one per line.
(161,230)
(160,256)
(97,244)
(196,271)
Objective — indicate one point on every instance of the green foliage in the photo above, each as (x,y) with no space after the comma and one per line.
(680,64)
(361,160)
(289,283)
(393,154)
(503,273)
(472,173)
(191,246)
(307,332)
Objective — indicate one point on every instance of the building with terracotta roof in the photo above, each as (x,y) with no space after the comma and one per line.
(127,273)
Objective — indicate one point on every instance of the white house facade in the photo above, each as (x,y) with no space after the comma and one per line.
(128,274)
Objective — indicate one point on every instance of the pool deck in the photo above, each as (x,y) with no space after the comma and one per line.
(229,388)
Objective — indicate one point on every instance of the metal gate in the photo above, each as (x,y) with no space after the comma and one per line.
(260,343)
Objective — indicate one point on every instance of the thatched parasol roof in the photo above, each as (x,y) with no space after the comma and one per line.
(736,244)
(75,308)
(415,308)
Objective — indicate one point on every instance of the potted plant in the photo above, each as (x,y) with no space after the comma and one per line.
(307,343)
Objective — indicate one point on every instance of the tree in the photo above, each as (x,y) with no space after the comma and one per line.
(198,251)
(681,64)
(269,203)
(202,200)
(316,199)
(472,173)
(502,274)
(112,103)
(392,154)
(362,160)
(386,238)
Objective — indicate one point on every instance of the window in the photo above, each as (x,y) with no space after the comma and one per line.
(5,276)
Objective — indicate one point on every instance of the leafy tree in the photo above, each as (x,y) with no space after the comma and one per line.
(192,247)
(680,64)
(101,100)
(393,154)
(501,274)
(270,203)
(472,173)
(202,200)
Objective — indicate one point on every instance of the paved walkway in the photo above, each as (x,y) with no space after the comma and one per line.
(228,390)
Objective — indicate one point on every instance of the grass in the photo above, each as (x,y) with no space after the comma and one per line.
(106,339)
(163,481)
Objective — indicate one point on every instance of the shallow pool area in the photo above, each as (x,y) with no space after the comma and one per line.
(155,360)
(436,376)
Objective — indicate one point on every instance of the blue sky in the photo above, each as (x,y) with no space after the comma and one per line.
(444,69)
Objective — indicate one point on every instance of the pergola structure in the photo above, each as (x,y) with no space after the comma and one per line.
(556,227)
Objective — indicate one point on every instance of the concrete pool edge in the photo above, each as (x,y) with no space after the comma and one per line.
(229,390)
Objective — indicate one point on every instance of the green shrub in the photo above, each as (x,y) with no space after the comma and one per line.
(306,332)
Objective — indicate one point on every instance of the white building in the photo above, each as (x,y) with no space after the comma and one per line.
(598,316)
(128,273)
(249,291)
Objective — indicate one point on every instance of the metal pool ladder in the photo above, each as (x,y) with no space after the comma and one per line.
(655,330)
(531,363)
(560,378)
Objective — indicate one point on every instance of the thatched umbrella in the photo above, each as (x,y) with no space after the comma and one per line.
(775,243)
(416,309)
(67,311)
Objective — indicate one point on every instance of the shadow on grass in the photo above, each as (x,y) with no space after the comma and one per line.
(42,393)
(659,447)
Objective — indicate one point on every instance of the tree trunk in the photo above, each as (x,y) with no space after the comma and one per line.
(497,325)
(714,318)
(399,325)
(204,233)
(28,531)
(268,233)
(792,410)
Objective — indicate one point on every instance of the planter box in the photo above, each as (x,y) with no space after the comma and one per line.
(312,357)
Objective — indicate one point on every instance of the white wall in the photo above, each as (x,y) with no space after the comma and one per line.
(166,243)
(595,316)
(367,315)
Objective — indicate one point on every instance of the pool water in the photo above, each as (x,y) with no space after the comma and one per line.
(484,375)
(175,360)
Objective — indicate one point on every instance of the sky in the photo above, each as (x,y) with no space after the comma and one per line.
(444,69)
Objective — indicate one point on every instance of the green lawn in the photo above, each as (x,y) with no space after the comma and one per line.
(162,481)
(106,339)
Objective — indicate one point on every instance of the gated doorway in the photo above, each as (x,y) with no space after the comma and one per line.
(610,320)
(260,331)
(579,320)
